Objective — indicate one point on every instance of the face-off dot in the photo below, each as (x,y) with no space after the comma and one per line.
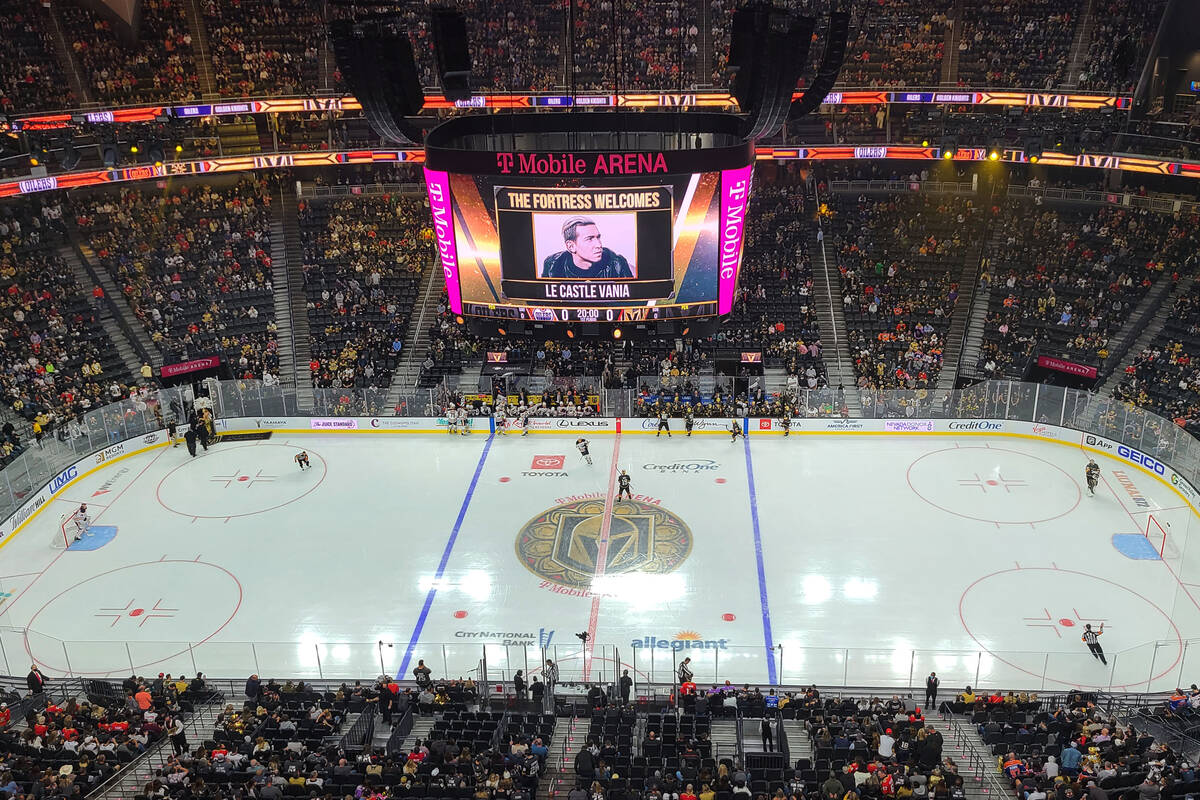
(460,614)
(719,480)
(137,612)
(728,617)
(505,479)
(1066,623)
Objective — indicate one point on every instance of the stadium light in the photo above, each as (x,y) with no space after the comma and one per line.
(616,333)
(994,155)
(1033,159)
(924,143)
(133,148)
(947,155)
(459,320)
(178,148)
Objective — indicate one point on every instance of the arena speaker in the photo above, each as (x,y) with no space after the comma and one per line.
(767,75)
(831,65)
(453,54)
(376,60)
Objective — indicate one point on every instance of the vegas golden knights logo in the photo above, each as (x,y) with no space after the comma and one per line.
(562,544)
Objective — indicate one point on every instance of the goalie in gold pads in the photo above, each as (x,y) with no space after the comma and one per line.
(585,256)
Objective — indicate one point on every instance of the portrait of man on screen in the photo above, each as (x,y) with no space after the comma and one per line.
(585,256)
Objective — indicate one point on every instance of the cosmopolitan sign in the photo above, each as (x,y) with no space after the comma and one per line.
(735,198)
(571,164)
(1069,367)
(438,186)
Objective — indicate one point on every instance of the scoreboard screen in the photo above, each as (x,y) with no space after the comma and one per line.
(589,238)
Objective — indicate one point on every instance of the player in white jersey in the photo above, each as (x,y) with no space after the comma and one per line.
(82,522)
(582,444)
(451,420)
(500,415)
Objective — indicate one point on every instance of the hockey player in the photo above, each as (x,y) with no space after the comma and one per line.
(451,420)
(302,460)
(623,485)
(1092,474)
(525,422)
(464,422)
(735,430)
(173,430)
(688,420)
(582,444)
(785,421)
(82,522)
(663,418)
(500,415)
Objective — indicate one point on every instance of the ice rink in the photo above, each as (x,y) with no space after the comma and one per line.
(868,560)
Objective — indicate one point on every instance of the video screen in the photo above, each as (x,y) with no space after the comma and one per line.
(587,249)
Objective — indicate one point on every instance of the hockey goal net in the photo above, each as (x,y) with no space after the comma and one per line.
(1158,531)
(68,529)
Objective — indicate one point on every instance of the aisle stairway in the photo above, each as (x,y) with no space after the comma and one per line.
(416,340)
(90,262)
(827,305)
(130,357)
(296,299)
(284,333)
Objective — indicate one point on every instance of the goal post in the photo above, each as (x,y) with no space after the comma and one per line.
(1158,532)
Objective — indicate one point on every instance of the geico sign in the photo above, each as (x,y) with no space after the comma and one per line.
(1141,459)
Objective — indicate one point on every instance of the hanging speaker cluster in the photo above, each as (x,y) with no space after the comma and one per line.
(376,61)
(831,64)
(767,52)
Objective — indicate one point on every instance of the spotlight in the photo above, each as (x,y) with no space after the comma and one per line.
(994,155)
(685,332)
(33,162)
(178,148)
(502,332)
(947,155)
(616,333)
(459,320)
(570,333)
(133,148)
(1033,159)
(924,143)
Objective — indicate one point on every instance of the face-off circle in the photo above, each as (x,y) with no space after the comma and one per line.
(147,614)
(989,484)
(239,481)
(1031,619)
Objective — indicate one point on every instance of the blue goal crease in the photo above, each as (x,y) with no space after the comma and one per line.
(768,638)
(441,570)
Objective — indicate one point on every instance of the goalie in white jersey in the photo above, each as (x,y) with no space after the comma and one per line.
(82,522)
(582,444)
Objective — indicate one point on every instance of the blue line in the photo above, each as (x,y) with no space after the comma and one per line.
(768,639)
(441,570)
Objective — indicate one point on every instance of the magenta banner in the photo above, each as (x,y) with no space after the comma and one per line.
(184,367)
(438,186)
(735,199)
(1069,367)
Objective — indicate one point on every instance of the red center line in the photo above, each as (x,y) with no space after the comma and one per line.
(601,557)
(61,553)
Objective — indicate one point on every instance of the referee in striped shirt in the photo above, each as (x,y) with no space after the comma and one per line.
(1092,639)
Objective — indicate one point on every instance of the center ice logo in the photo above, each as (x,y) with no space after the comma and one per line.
(564,544)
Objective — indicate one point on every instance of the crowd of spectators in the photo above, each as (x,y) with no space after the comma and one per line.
(897,43)
(1121,34)
(30,76)
(1017,43)
(657,43)
(899,261)
(363,261)
(1163,377)
(195,266)
(773,309)
(265,47)
(56,361)
(1062,281)
(159,66)
(68,747)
